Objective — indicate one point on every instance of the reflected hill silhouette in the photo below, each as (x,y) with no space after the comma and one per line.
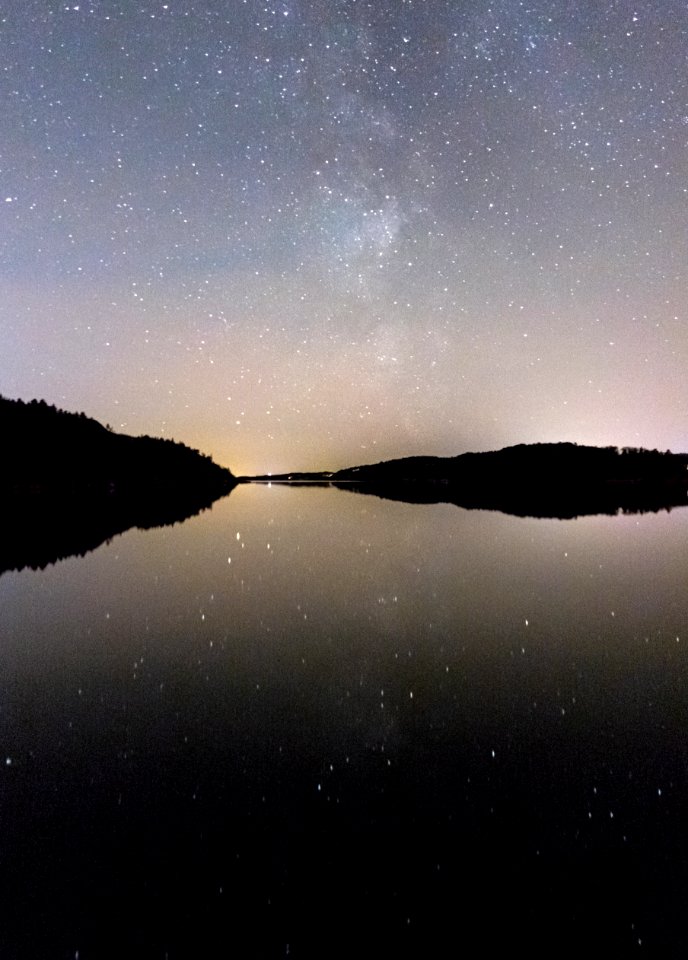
(69,483)
(39,531)
(557,480)
(561,505)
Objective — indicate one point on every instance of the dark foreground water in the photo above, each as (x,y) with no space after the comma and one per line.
(312,723)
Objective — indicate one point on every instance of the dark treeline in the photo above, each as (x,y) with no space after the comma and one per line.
(48,449)
(537,464)
(540,480)
(68,483)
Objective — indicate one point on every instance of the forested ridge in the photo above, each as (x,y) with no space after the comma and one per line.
(50,450)
(68,483)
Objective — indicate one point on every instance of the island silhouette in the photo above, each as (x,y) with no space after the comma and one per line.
(69,483)
(556,480)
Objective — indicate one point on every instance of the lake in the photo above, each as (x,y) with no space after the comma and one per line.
(310,722)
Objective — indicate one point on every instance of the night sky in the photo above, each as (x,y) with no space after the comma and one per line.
(308,234)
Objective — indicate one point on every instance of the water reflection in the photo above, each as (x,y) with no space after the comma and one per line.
(40,529)
(339,722)
(545,502)
(556,501)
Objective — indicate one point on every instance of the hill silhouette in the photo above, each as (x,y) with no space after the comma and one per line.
(69,483)
(562,480)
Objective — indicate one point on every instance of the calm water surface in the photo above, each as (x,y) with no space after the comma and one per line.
(310,722)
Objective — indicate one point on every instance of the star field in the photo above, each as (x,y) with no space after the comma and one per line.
(304,235)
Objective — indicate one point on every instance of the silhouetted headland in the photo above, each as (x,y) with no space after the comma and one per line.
(562,480)
(69,483)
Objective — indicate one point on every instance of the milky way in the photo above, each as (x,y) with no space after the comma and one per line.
(304,235)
